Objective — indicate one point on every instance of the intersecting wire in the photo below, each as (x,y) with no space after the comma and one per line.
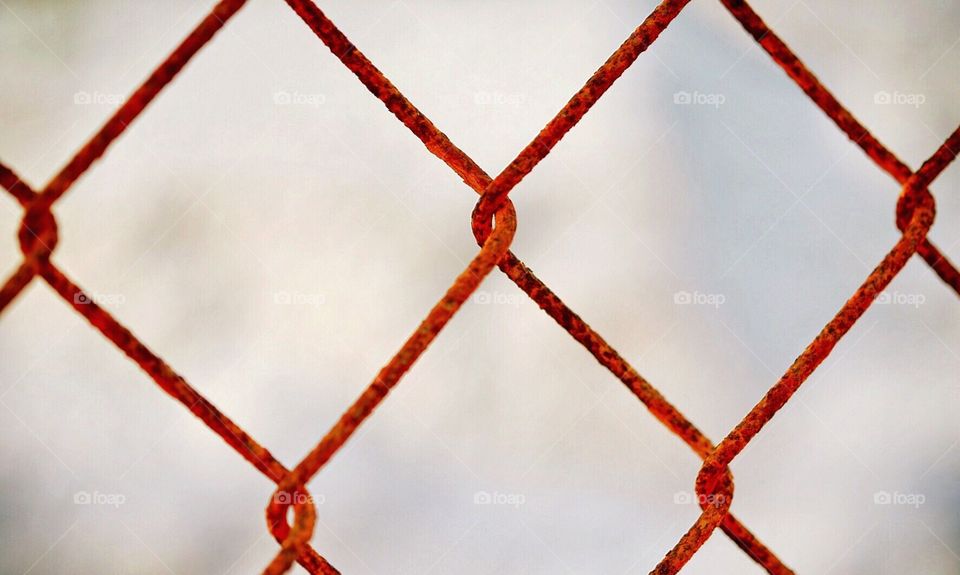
(914,216)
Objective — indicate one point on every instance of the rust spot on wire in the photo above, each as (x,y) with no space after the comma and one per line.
(27,269)
(20,279)
(15,186)
(915,214)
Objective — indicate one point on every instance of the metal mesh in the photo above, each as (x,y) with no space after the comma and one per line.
(494,223)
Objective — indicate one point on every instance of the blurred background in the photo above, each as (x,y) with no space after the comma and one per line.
(269,229)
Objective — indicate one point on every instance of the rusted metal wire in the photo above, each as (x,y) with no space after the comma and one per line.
(825,100)
(494,224)
(581,102)
(441,146)
(919,219)
(38,238)
(140,99)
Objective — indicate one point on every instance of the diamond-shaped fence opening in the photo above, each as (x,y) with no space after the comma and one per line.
(494,224)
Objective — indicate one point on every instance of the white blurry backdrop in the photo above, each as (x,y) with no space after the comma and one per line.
(267,174)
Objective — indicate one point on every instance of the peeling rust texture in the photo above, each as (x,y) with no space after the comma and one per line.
(494,224)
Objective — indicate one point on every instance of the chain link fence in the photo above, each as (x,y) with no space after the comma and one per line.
(493,224)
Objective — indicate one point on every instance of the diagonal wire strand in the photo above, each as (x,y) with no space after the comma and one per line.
(846,121)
